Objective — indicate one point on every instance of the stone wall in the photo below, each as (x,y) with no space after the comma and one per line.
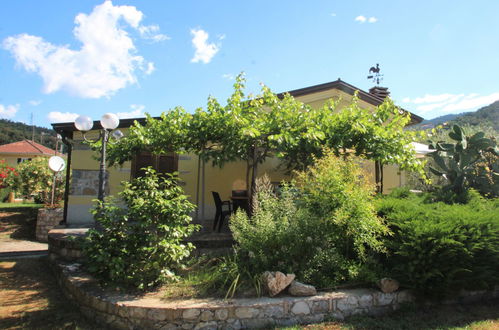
(86,182)
(121,311)
(64,243)
(149,311)
(46,220)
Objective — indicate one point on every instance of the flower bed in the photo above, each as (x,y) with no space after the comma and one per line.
(124,311)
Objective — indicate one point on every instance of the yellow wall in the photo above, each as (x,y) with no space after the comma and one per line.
(11,159)
(222,180)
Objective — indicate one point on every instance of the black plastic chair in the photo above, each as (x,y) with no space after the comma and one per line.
(220,214)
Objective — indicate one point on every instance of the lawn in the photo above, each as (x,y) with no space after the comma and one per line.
(20,206)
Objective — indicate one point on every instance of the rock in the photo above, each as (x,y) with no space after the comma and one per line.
(275,282)
(221,314)
(299,289)
(388,285)
(191,314)
(300,308)
(246,312)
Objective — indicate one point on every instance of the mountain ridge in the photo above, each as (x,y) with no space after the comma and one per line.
(11,131)
(487,116)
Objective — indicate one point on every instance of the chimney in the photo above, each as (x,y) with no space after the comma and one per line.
(381,92)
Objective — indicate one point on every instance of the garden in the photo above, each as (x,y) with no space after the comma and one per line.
(327,225)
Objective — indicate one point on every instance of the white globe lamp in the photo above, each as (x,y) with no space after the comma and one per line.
(84,123)
(110,121)
(117,134)
(56,164)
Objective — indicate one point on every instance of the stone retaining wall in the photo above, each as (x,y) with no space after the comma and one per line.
(46,220)
(149,311)
(121,311)
(63,243)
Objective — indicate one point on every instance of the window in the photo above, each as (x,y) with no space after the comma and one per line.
(20,160)
(161,163)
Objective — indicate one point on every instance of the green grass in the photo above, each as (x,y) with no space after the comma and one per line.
(11,207)
(211,278)
(482,315)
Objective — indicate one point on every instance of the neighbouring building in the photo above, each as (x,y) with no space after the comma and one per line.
(83,168)
(18,152)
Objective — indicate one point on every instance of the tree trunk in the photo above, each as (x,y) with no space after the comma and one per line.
(254,170)
(248,167)
(378,170)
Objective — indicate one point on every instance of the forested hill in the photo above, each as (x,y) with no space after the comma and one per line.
(11,131)
(486,117)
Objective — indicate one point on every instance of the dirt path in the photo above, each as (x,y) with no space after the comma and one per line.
(30,298)
(17,231)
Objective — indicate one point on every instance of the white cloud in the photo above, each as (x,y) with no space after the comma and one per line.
(137,111)
(150,68)
(151,32)
(362,19)
(61,117)
(333,14)
(228,76)
(8,111)
(204,51)
(451,103)
(35,102)
(471,102)
(106,62)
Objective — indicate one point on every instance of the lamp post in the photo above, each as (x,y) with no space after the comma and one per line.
(56,164)
(109,123)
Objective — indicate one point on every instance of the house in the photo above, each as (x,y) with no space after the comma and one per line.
(18,152)
(83,168)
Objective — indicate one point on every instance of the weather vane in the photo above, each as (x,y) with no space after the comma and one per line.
(375,75)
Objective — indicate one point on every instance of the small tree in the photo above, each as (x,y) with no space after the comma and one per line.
(256,128)
(142,244)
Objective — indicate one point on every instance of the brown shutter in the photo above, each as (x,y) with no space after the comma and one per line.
(167,163)
(161,163)
(141,160)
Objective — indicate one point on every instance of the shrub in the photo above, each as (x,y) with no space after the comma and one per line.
(5,172)
(141,245)
(321,227)
(438,248)
(33,178)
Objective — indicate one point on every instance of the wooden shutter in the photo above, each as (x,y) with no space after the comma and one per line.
(161,163)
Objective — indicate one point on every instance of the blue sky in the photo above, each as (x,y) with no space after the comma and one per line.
(61,58)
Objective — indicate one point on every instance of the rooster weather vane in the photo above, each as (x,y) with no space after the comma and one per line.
(375,75)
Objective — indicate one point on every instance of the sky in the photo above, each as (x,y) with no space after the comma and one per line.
(60,59)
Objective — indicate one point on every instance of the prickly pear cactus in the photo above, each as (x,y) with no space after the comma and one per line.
(457,161)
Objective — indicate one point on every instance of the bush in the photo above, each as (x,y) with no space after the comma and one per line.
(141,245)
(33,178)
(5,172)
(321,227)
(439,248)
